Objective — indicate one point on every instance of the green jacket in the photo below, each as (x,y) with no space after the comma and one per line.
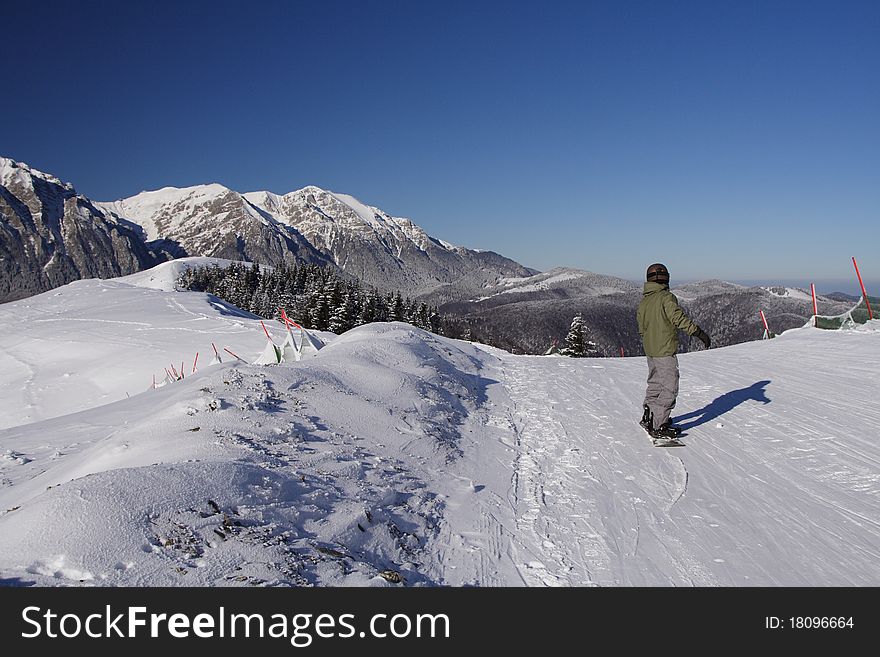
(659,318)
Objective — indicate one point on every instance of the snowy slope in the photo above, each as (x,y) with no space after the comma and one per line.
(779,483)
(442,461)
(96,341)
(572,281)
(790,292)
(164,276)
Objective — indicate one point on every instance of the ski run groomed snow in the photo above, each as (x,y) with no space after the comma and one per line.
(397,457)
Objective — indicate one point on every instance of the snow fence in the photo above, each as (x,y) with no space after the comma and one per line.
(858,314)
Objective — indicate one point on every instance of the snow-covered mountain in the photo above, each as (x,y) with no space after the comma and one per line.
(211,220)
(311,225)
(50,235)
(53,236)
(380,249)
(396,457)
(690,291)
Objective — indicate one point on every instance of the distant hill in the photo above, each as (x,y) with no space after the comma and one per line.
(527,315)
(841,296)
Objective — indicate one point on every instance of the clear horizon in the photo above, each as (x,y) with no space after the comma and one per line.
(727,141)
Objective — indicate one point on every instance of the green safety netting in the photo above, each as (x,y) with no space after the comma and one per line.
(858,314)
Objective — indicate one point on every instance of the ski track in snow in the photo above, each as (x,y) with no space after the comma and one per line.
(749,502)
(585,517)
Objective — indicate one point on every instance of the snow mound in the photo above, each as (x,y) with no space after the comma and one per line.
(93,342)
(247,475)
(871,326)
(164,276)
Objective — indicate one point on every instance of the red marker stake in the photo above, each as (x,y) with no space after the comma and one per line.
(764,319)
(815,307)
(216,353)
(195,361)
(864,294)
(289,321)
(234,354)
(266,330)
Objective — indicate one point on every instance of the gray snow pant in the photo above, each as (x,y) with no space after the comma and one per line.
(662,387)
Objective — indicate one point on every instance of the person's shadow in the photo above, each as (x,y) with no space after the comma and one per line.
(720,405)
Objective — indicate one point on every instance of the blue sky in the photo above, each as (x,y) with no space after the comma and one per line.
(736,140)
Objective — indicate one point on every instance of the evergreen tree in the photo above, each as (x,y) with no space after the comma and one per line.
(380,305)
(435,322)
(344,315)
(396,312)
(577,342)
(318,310)
(368,310)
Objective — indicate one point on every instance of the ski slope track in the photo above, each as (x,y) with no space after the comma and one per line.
(395,457)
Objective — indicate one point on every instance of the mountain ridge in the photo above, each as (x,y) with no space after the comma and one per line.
(50,235)
(319,226)
(309,225)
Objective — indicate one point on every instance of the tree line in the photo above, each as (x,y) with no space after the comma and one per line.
(319,299)
(313,296)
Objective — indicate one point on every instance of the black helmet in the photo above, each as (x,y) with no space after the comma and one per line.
(658,273)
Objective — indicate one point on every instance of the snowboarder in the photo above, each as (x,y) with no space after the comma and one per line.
(660,317)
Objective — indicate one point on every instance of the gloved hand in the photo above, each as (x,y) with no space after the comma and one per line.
(704,337)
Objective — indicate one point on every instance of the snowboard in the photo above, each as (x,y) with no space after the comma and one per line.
(662,442)
(667,442)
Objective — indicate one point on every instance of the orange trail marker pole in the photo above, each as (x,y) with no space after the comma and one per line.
(864,294)
(195,361)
